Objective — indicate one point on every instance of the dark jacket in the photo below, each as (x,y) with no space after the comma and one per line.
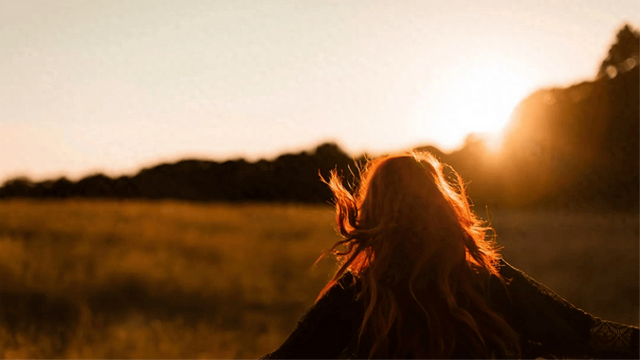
(548,325)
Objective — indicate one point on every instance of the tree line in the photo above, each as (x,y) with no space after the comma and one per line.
(575,148)
(288,178)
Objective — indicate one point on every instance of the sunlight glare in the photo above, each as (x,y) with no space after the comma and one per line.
(476,96)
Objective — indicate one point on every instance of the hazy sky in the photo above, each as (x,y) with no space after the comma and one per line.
(88,86)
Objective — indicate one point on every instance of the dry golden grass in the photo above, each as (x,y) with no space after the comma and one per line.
(120,279)
(590,259)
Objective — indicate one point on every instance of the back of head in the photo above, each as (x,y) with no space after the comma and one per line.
(423,259)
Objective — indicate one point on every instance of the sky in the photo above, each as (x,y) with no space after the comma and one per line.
(116,85)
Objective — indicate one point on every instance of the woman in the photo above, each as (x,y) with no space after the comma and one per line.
(420,278)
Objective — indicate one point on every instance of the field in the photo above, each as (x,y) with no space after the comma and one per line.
(120,279)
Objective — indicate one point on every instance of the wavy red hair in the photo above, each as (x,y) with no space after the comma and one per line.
(423,260)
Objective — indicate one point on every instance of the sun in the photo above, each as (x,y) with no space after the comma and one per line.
(474,96)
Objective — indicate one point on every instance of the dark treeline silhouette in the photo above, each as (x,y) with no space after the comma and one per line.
(570,148)
(573,148)
(288,178)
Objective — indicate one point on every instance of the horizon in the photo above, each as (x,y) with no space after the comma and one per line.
(286,83)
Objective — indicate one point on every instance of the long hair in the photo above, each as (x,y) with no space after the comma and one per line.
(423,259)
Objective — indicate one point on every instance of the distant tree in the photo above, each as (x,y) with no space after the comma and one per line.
(623,54)
(17,187)
(98,185)
(329,156)
(60,188)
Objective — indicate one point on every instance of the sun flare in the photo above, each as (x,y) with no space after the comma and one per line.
(475,97)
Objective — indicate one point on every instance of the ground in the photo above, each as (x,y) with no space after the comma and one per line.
(168,279)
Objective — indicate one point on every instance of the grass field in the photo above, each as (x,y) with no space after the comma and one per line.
(109,279)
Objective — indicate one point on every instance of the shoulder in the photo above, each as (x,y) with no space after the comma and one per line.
(519,287)
(348,281)
(345,289)
(513,279)
(508,271)
(512,289)
(518,280)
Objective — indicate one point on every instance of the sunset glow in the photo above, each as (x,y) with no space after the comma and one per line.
(113,86)
(477,96)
